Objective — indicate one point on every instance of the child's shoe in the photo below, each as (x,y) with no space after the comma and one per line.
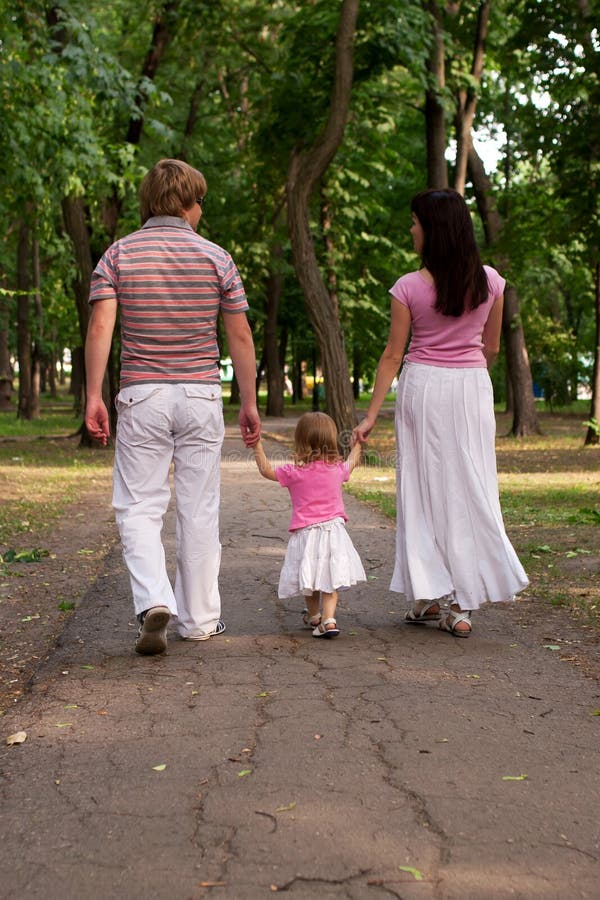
(311,621)
(322,631)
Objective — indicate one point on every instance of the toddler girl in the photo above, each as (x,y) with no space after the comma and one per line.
(320,558)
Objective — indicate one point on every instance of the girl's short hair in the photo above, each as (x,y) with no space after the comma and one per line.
(170,186)
(450,251)
(316,438)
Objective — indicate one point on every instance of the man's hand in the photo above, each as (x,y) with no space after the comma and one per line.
(249,421)
(97,421)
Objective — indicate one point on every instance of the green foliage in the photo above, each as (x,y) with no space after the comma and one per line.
(26,556)
(241,83)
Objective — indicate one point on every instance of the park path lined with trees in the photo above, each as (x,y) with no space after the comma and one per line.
(314,123)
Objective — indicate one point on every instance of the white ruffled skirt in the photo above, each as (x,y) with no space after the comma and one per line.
(450,537)
(320,558)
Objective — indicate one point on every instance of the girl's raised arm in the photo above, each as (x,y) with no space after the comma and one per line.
(264,466)
(354,456)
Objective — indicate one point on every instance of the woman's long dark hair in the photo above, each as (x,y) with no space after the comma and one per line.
(450,252)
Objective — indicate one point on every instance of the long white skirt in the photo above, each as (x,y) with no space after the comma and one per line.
(450,536)
(320,558)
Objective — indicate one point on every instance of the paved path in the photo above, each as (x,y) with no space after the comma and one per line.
(372,766)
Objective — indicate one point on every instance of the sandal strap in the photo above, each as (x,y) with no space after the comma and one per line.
(413,616)
(460,616)
(329,622)
(457,617)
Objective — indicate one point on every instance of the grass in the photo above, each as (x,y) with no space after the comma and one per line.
(38,483)
(43,470)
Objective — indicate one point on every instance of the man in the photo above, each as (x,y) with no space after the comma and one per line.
(169,285)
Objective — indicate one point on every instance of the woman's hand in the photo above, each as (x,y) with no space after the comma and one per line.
(362,431)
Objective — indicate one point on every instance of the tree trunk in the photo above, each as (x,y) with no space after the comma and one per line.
(6,377)
(37,358)
(162,34)
(525,419)
(305,171)
(234,397)
(435,122)
(273,366)
(356,373)
(74,216)
(77,382)
(593,432)
(23,332)
(467,99)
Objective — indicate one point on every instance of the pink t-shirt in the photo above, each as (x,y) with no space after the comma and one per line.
(315,491)
(438,340)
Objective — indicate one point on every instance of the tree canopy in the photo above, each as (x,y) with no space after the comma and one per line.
(92,94)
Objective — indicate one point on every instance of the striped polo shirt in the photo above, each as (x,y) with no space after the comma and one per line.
(170,284)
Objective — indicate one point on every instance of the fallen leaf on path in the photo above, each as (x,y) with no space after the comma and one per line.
(514,777)
(418,876)
(596,712)
(244,772)
(17,738)
(382,658)
(160,768)
(71,706)
(286,808)
(212,884)
(87,667)
(318,737)
(552,647)
(62,724)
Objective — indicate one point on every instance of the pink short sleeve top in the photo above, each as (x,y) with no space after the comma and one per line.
(438,340)
(315,491)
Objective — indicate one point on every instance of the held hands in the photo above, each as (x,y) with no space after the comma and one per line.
(362,431)
(97,421)
(249,422)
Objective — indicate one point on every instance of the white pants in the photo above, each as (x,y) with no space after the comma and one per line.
(159,424)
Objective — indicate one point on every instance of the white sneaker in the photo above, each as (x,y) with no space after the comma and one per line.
(218,629)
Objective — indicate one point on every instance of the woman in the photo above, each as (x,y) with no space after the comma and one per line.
(451,546)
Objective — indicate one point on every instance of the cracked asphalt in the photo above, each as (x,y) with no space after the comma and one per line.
(391,762)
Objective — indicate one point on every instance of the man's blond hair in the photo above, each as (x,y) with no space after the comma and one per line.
(170,187)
